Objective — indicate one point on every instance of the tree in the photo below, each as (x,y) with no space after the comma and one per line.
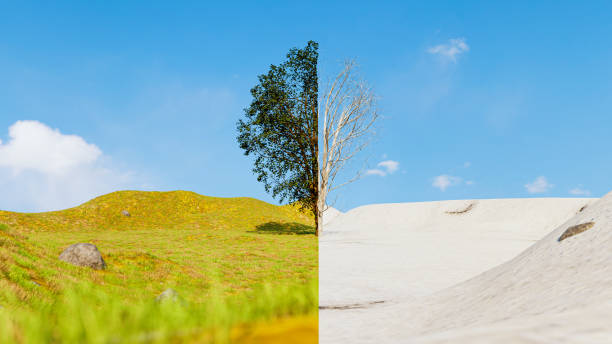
(349,119)
(281,129)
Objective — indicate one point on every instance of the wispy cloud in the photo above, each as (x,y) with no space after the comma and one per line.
(450,50)
(386,167)
(579,191)
(445,181)
(376,172)
(390,165)
(540,185)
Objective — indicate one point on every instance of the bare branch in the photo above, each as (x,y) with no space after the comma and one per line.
(349,117)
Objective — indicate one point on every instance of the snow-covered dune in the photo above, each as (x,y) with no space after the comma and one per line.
(393,272)
(330,214)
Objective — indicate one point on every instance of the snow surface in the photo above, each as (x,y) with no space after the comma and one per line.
(330,214)
(448,272)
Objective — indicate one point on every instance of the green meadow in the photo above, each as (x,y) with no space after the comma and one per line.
(244,270)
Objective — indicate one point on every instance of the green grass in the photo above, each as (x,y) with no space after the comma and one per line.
(89,314)
(233,261)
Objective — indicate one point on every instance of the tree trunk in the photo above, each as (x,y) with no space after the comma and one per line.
(320,209)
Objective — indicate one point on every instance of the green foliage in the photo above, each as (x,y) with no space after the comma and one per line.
(281,128)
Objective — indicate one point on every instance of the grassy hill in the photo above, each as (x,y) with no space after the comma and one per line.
(158,210)
(234,261)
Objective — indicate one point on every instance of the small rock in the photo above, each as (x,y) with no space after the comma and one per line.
(577,229)
(35,283)
(83,254)
(168,295)
(125,213)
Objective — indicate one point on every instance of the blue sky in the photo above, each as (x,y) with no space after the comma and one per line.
(479,100)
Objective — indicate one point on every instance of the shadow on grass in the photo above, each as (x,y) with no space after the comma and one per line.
(284,228)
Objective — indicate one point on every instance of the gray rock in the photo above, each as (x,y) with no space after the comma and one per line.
(125,213)
(83,254)
(168,295)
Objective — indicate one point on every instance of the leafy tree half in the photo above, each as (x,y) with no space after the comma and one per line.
(281,129)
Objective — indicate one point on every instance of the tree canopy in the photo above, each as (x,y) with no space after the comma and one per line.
(280,129)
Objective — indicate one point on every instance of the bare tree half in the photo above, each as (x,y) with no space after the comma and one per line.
(349,116)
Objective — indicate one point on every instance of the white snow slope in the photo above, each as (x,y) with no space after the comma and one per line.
(329,214)
(391,273)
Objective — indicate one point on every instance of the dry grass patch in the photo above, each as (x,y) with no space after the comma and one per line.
(577,229)
(465,210)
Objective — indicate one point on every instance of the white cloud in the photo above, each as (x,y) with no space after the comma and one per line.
(579,191)
(469,182)
(34,146)
(390,165)
(467,164)
(450,51)
(540,185)
(375,172)
(386,167)
(444,181)
(42,169)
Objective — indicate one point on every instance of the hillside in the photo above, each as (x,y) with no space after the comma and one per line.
(158,210)
(559,289)
(241,259)
(380,262)
(329,214)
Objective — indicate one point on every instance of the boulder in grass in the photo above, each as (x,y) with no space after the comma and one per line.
(168,295)
(83,254)
(125,213)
